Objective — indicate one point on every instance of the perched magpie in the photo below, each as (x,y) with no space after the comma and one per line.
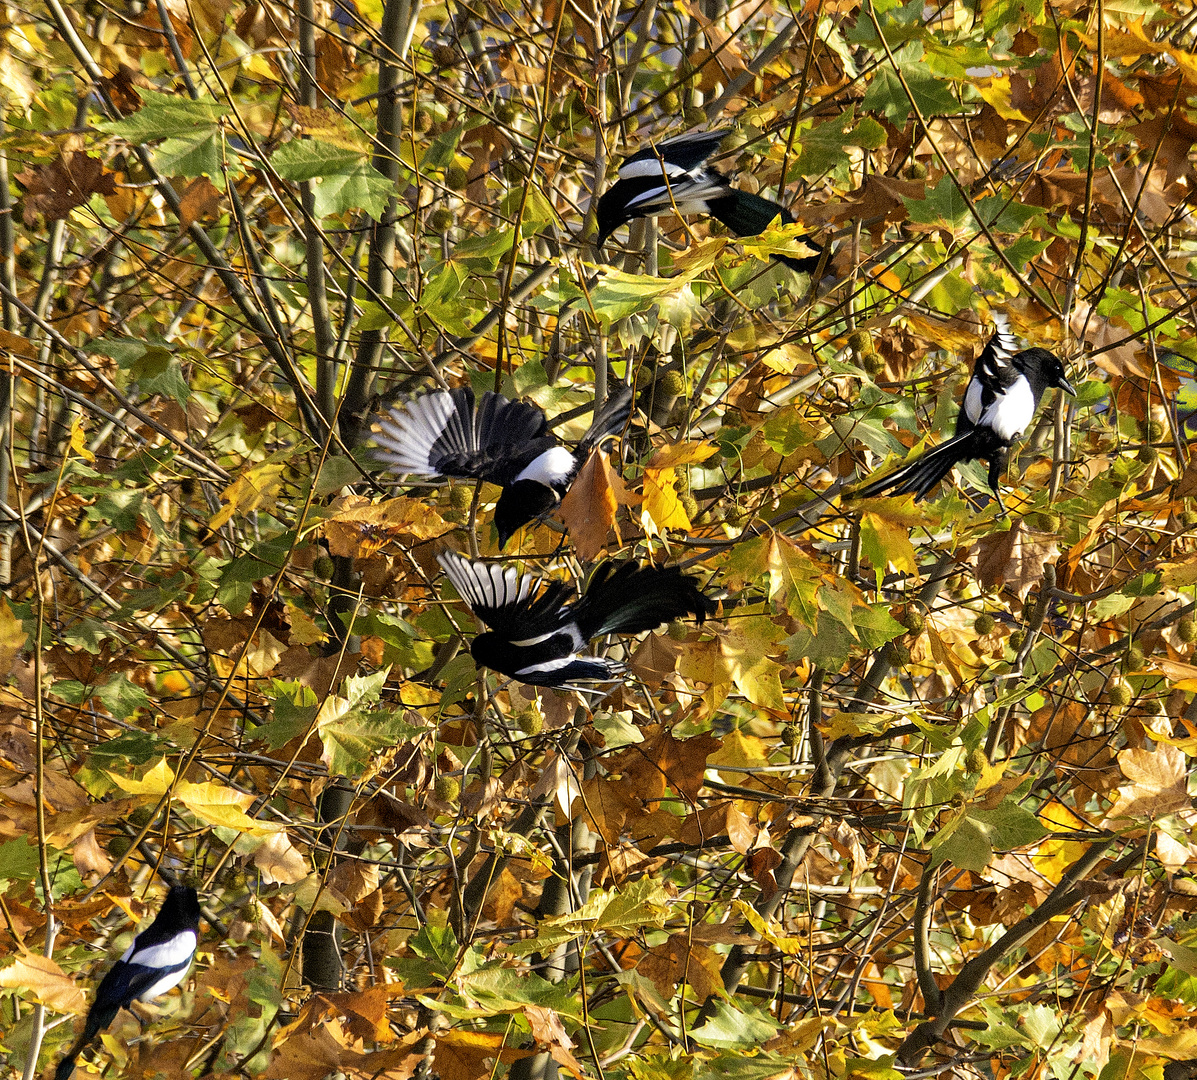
(158,959)
(999,402)
(538,628)
(673,177)
(506,442)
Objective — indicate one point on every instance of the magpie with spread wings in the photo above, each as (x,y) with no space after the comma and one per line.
(508,443)
(673,177)
(538,628)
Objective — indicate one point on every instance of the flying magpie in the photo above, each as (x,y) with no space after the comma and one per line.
(999,403)
(538,627)
(158,960)
(673,177)
(506,442)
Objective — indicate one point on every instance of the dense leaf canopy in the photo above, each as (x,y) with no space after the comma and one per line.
(916,797)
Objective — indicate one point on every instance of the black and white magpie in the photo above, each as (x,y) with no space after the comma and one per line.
(505,442)
(999,403)
(158,960)
(673,177)
(538,627)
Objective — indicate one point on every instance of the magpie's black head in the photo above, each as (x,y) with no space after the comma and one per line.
(181,907)
(610,214)
(1044,369)
(521,502)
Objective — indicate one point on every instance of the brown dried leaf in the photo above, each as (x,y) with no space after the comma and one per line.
(200,201)
(588,508)
(1158,779)
(549,1032)
(69,181)
(1016,557)
(279,862)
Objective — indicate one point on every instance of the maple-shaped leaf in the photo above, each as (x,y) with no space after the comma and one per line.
(1158,780)
(69,181)
(589,506)
(1017,557)
(359,528)
(655,658)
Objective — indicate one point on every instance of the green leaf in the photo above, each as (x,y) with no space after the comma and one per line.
(886,95)
(130,747)
(823,146)
(164,115)
(944,206)
(19,859)
(361,187)
(121,697)
(336,473)
(306,159)
(295,707)
(197,154)
(436,942)
(733,1026)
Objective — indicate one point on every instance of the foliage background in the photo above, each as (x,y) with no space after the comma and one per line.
(919,796)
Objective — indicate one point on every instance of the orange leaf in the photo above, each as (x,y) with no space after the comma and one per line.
(588,508)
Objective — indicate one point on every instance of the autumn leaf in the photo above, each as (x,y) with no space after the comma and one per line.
(69,181)
(589,506)
(45,982)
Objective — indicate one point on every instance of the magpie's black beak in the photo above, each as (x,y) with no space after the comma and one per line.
(1066,386)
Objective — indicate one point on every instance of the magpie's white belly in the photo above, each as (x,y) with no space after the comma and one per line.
(1009,415)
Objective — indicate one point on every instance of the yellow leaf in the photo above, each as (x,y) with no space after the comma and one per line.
(155,781)
(686,453)
(12,638)
(78,446)
(791,946)
(662,508)
(254,489)
(222,806)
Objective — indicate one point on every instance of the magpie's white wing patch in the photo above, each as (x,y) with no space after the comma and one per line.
(409,432)
(689,196)
(569,628)
(553,468)
(972,400)
(165,954)
(486,586)
(653,168)
(169,981)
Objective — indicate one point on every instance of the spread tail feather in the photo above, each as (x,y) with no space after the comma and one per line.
(921,475)
(623,598)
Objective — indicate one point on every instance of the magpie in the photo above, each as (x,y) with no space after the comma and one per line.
(539,628)
(999,403)
(508,443)
(158,960)
(673,177)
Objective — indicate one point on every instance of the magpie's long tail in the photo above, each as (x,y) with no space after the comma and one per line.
(609,420)
(921,475)
(749,215)
(97,1020)
(623,598)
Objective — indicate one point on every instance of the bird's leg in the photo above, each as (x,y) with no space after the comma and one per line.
(997,466)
